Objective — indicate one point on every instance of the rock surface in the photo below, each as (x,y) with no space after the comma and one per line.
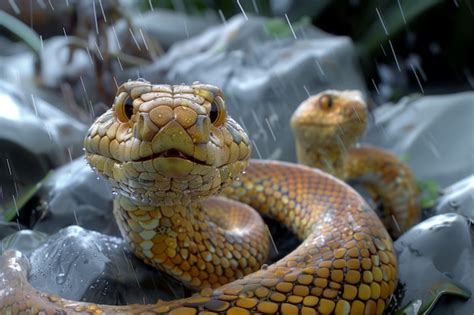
(76,195)
(7,228)
(84,265)
(438,250)
(34,137)
(24,241)
(434,133)
(173,26)
(458,198)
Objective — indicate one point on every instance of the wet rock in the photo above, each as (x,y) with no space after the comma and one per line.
(24,241)
(458,198)
(7,228)
(75,195)
(34,137)
(434,252)
(84,265)
(64,67)
(264,71)
(173,26)
(434,134)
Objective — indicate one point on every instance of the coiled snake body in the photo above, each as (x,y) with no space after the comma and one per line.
(167,150)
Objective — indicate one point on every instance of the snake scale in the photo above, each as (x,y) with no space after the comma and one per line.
(167,150)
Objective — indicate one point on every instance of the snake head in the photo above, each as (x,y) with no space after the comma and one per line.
(167,144)
(330,117)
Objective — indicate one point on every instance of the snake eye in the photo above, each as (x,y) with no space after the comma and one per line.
(326,102)
(124,110)
(217,114)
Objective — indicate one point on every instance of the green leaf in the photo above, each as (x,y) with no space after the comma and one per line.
(393,21)
(418,307)
(404,157)
(440,289)
(22,31)
(280,28)
(429,192)
(13,208)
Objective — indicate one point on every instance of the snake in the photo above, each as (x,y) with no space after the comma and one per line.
(188,199)
(326,129)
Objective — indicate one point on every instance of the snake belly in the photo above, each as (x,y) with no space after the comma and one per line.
(345,264)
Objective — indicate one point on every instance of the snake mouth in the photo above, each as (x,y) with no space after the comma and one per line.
(172,153)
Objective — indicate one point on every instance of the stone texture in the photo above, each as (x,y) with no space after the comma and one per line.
(84,265)
(24,241)
(458,198)
(439,249)
(34,137)
(76,195)
(434,133)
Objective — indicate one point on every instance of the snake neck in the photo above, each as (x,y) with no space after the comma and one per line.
(190,241)
(327,157)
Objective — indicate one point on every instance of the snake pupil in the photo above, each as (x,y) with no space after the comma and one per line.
(329,102)
(128,108)
(214,114)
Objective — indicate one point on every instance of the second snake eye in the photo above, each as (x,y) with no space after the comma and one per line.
(124,109)
(326,102)
(217,113)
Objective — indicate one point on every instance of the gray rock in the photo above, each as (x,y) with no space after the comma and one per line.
(7,228)
(264,71)
(34,137)
(435,133)
(76,195)
(84,265)
(436,251)
(54,71)
(167,27)
(458,198)
(24,241)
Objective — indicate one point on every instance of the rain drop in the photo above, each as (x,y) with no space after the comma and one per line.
(61,278)
(454,204)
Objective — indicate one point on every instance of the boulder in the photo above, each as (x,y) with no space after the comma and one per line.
(34,137)
(437,251)
(84,265)
(433,133)
(458,198)
(76,195)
